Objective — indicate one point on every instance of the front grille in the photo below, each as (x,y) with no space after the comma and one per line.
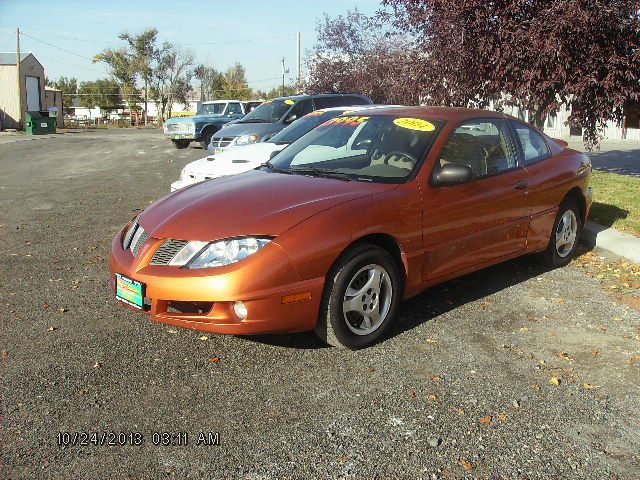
(173,127)
(138,242)
(221,141)
(167,251)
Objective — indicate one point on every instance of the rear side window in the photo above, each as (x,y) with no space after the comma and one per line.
(483,145)
(533,145)
(355,100)
(328,102)
(302,108)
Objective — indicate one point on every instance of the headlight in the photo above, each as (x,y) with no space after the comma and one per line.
(223,252)
(245,139)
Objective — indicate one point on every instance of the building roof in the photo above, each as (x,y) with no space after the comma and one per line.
(9,58)
(51,89)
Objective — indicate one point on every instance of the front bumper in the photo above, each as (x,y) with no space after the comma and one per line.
(260,281)
(181,136)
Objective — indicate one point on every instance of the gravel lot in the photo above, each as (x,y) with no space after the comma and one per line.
(461,388)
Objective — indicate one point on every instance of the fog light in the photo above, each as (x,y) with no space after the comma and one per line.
(241,309)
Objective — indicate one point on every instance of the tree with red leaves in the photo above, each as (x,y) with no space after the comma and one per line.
(535,54)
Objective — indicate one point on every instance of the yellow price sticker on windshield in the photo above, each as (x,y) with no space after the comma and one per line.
(415,124)
(289,102)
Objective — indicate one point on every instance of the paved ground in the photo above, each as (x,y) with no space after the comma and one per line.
(613,156)
(459,389)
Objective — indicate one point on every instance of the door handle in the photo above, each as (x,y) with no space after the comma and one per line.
(521,185)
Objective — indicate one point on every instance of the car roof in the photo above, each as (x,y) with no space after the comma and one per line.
(208,102)
(303,96)
(437,113)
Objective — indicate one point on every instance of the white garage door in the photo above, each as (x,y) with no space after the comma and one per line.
(33,94)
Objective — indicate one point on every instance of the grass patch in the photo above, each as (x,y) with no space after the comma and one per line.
(616,201)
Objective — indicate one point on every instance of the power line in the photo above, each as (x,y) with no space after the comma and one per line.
(104,42)
(55,46)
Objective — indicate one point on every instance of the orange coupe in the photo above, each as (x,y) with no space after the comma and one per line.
(366,210)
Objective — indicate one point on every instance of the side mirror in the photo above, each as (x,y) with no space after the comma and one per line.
(273,154)
(451,174)
(290,118)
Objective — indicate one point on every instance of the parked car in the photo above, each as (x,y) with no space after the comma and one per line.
(274,115)
(360,213)
(210,118)
(239,159)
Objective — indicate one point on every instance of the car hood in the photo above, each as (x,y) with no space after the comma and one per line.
(260,129)
(252,203)
(190,119)
(233,160)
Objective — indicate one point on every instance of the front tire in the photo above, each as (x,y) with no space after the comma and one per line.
(361,297)
(564,236)
(180,144)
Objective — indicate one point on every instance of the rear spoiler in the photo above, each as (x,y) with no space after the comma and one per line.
(563,143)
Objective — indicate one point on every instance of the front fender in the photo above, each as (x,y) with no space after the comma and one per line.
(314,244)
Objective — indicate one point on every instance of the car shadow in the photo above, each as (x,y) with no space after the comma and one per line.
(605,214)
(435,301)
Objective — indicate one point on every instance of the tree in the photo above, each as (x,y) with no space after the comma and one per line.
(275,92)
(538,55)
(122,71)
(104,93)
(211,83)
(235,84)
(142,53)
(69,89)
(358,53)
(171,77)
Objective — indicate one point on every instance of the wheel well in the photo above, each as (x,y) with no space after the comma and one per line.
(388,243)
(577,196)
(213,128)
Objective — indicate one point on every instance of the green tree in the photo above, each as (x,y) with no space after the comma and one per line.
(235,84)
(171,80)
(69,89)
(275,92)
(123,72)
(142,55)
(103,93)
(211,84)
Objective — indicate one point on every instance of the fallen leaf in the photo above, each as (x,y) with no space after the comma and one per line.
(466,464)
(502,417)
(172,331)
(203,338)
(486,419)
(631,360)
(97,365)
(536,386)
(214,359)
(412,394)
(588,386)
(524,329)
(5,354)
(433,397)
(542,362)
(563,355)
(63,309)
(460,411)
(431,340)
(554,381)
(51,329)
(371,369)
(436,378)
(594,352)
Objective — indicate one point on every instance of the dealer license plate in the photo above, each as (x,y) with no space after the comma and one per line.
(130,291)
(217,150)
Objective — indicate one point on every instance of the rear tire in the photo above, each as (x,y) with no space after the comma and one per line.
(206,138)
(180,144)
(564,236)
(360,299)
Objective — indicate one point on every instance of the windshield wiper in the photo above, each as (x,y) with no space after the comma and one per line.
(254,120)
(322,172)
(275,169)
(282,143)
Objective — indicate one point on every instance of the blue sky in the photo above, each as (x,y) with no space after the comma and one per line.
(88,26)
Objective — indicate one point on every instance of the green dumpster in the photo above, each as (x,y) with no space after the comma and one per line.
(40,123)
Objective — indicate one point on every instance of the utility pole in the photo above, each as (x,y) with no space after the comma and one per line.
(298,45)
(19,86)
(282,93)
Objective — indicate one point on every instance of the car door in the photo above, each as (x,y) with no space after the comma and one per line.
(477,222)
(234,110)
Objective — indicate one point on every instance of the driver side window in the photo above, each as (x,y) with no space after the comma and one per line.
(483,145)
(234,108)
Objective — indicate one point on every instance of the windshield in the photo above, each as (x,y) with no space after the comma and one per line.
(375,148)
(212,109)
(269,112)
(303,126)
